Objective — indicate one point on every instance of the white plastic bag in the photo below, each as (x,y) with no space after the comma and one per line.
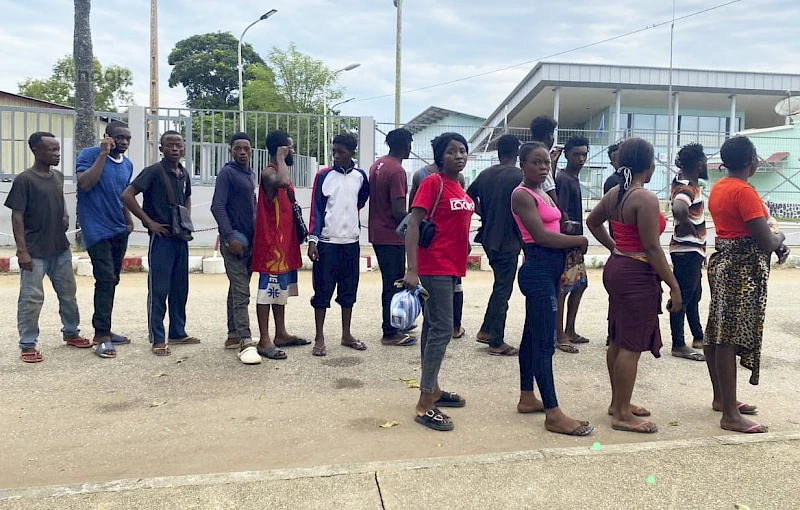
(406,307)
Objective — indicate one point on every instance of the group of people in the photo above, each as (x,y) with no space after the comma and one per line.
(530,208)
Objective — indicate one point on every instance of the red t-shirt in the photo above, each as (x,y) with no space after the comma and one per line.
(447,255)
(732,203)
(276,249)
(387,182)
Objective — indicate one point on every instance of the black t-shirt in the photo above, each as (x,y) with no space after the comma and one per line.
(614,179)
(41,199)
(568,189)
(150,183)
(493,188)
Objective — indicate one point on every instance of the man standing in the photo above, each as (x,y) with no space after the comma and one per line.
(39,221)
(615,179)
(168,254)
(388,187)
(103,174)
(339,194)
(687,248)
(276,249)
(543,130)
(500,238)
(574,280)
(234,209)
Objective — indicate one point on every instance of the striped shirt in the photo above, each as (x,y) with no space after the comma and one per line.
(691,236)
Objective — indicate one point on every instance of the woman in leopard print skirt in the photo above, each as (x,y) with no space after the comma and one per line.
(738,273)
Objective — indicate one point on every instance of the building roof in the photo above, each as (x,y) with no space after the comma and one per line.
(38,102)
(432,115)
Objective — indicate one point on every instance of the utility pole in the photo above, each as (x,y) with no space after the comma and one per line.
(153,124)
(398,60)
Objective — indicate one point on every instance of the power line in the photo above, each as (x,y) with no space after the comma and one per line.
(589,45)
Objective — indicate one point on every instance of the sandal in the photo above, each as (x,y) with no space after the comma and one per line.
(34,356)
(694,356)
(357,345)
(319,351)
(187,340)
(639,411)
(568,348)
(645,427)
(507,351)
(161,351)
(296,341)
(580,340)
(78,342)
(250,356)
(435,420)
(747,409)
(461,333)
(271,353)
(106,350)
(232,343)
(400,341)
(755,428)
(450,399)
(583,429)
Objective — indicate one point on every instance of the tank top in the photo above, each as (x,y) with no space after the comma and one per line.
(550,214)
(627,236)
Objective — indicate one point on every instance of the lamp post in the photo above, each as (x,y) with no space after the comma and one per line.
(398,60)
(241,95)
(325,105)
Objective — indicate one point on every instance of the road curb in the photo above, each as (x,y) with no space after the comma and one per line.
(385,466)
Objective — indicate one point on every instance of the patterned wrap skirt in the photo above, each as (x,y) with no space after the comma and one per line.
(737,274)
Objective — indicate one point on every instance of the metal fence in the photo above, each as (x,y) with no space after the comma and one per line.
(207,133)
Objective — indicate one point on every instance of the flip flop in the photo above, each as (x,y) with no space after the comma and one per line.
(119,339)
(746,409)
(584,429)
(271,353)
(78,342)
(694,356)
(295,342)
(409,329)
(434,419)
(755,428)
(481,341)
(638,411)
(357,345)
(450,399)
(319,351)
(187,340)
(645,427)
(461,333)
(568,348)
(161,351)
(507,351)
(580,340)
(404,341)
(105,350)
(31,357)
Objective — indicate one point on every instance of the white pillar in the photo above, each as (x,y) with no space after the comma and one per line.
(676,108)
(556,109)
(137,122)
(733,116)
(618,110)
(366,142)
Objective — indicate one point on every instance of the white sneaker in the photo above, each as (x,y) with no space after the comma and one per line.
(250,356)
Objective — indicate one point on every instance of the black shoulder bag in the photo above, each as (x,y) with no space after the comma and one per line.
(299,224)
(180,217)
(427,229)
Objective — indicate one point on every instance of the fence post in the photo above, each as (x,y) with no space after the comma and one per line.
(137,122)
(366,142)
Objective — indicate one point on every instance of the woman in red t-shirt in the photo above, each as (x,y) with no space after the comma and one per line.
(737,274)
(438,267)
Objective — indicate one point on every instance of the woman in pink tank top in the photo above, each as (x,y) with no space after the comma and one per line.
(539,220)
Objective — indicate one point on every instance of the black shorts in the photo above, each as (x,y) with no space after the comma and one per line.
(337,268)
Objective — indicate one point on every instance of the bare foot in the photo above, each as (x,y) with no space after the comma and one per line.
(560,423)
(743,408)
(635,410)
(697,344)
(482,336)
(528,403)
(631,423)
(742,424)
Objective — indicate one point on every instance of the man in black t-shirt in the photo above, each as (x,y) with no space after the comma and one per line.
(574,280)
(168,254)
(500,238)
(40,221)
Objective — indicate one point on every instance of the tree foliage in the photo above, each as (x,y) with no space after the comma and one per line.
(301,80)
(207,66)
(110,85)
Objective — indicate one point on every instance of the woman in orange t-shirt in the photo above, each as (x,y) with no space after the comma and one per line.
(738,273)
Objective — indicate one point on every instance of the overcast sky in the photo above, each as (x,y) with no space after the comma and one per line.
(442,40)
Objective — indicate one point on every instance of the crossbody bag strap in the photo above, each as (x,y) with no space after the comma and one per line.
(167,185)
(438,197)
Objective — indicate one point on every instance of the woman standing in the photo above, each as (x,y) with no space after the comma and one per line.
(738,273)
(539,221)
(633,278)
(439,267)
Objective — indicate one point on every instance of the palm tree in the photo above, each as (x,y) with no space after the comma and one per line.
(84,84)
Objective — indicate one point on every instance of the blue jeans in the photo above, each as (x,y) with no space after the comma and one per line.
(437,327)
(31,298)
(167,283)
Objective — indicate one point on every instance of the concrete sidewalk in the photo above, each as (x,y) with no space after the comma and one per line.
(712,473)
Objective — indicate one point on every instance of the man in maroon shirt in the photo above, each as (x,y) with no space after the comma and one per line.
(388,187)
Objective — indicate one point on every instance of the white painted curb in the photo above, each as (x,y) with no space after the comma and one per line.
(13,264)
(85,267)
(196,264)
(214,265)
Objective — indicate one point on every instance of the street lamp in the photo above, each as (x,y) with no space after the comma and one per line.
(342,102)
(398,60)
(325,104)
(241,67)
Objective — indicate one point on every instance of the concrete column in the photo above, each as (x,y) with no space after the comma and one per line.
(676,108)
(556,109)
(137,122)
(618,113)
(366,142)
(732,120)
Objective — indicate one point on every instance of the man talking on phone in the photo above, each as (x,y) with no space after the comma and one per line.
(103,174)
(543,130)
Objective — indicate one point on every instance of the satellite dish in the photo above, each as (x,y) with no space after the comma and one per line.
(788,107)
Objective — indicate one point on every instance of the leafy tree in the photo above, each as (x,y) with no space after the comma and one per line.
(261,94)
(207,66)
(101,88)
(301,80)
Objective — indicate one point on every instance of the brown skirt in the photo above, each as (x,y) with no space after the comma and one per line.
(634,303)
